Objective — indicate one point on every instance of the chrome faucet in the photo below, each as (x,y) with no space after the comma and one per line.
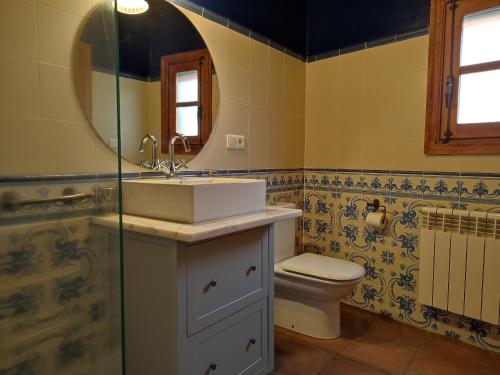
(154,163)
(173,167)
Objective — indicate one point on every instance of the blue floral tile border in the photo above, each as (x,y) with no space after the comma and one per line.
(461,188)
(457,189)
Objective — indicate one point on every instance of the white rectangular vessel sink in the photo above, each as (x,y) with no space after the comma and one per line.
(193,200)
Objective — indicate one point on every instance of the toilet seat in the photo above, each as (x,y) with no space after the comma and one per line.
(322,268)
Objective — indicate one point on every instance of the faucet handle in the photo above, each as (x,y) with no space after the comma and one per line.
(181,164)
(145,164)
(163,166)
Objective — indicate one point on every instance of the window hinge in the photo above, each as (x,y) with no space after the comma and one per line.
(453,4)
(447,136)
(450,84)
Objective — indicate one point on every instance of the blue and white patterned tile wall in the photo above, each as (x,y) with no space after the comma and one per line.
(334,225)
(59,282)
(59,302)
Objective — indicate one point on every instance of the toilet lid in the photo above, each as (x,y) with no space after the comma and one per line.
(323,267)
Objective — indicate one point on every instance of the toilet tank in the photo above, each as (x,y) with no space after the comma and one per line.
(284,236)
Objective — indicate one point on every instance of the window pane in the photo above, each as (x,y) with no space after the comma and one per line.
(480,37)
(187,86)
(187,120)
(479,97)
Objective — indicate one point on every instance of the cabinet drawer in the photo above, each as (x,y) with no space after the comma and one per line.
(225,275)
(237,345)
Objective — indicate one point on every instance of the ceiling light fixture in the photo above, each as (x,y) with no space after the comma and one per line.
(132,6)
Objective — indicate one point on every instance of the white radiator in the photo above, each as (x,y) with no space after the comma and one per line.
(460,262)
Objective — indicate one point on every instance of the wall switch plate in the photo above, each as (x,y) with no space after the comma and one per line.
(235,142)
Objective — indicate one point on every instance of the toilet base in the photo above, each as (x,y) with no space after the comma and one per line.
(309,317)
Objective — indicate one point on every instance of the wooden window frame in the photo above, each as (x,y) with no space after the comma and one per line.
(170,65)
(442,134)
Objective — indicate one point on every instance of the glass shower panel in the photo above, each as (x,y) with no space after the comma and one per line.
(60,271)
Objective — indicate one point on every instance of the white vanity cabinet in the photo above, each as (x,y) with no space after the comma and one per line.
(199,308)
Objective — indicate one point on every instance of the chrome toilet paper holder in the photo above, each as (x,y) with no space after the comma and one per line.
(376,207)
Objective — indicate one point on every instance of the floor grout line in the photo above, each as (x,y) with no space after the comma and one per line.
(417,350)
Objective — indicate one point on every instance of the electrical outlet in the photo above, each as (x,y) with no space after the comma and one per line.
(235,142)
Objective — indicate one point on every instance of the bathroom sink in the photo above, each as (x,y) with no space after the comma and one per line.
(193,200)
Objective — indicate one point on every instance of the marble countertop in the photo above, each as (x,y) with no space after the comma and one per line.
(200,231)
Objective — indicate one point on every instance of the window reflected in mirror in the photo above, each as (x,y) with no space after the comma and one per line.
(167,81)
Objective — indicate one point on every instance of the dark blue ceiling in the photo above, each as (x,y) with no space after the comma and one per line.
(312,27)
(334,24)
(283,21)
(308,27)
(144,38)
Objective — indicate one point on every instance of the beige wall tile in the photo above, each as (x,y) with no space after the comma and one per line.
(217,157)
(14,159)
(275,153)
(221,124)
(292,84)
(412,55)
(246,71)
(134,102)
(18,28)
(238,50)
(237,119)
(216,39)
(276,79)
(377,114)
(259,82)
(57,94)
(154,101)
(301,87)
(293,153)
(104,118)
(130,152)
(258,122)
(257,153)
(238,83)
(107,160)
(276,124)
(67,148)
(19,94)
(56,32)
(381,62)
(78,7)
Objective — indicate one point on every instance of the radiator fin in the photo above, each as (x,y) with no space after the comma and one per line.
(460,262)
(491,284)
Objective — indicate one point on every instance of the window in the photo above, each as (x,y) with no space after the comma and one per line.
(186,80)
(463,97)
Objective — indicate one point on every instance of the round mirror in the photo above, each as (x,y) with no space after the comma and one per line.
(167,80)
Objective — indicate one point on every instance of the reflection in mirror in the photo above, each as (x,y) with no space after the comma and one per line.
(168,83)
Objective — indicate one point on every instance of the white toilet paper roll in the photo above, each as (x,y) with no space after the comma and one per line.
(376,220)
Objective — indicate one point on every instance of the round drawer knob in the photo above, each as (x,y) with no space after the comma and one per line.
(212,367)
(251,269)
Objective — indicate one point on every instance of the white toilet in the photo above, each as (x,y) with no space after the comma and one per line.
(309,287)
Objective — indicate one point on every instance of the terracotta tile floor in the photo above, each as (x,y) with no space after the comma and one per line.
(370,344)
